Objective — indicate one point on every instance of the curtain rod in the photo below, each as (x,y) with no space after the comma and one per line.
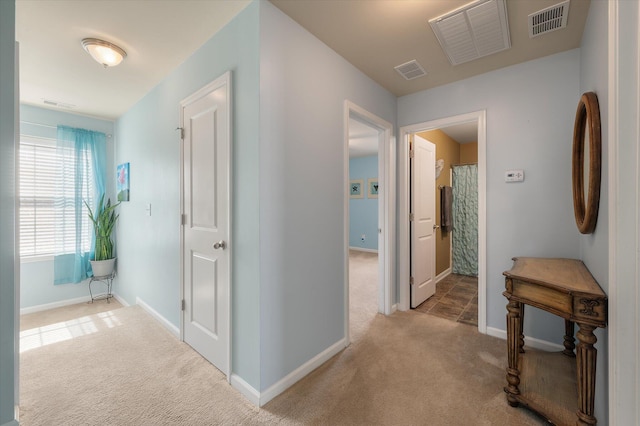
(49,126)
(464,164)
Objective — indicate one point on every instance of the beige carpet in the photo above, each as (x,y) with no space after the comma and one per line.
(121,367)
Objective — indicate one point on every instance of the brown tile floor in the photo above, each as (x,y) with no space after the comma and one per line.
(456,298)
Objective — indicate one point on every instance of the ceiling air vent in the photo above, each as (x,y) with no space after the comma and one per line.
(410,70)
(475,30)
(58,104)
(549,19)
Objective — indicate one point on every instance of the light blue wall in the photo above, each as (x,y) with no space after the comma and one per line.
(530,113)
(363,212)
(594,248)
(149,246)
(8,308)
(303,87)
(36,278)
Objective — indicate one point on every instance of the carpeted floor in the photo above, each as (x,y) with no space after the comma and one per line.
(121,367)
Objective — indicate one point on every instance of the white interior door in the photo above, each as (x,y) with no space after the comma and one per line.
(423,210)
(205,119)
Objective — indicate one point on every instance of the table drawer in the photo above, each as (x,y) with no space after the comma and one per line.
(545,296)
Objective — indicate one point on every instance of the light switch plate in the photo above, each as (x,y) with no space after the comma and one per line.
(514,176)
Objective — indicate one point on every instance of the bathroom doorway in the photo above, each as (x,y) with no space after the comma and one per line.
(445,267)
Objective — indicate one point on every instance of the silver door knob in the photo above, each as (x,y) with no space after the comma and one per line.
(436,226)
(220,245)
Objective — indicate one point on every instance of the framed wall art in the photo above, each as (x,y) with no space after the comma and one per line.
(356,188)
(122,181)
(372,188)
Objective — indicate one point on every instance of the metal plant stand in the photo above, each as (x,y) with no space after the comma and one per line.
(107,281)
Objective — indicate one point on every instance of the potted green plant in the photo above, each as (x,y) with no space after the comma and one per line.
(104,222)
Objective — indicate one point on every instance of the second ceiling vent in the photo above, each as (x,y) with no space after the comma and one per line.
(549,19)
(475,30)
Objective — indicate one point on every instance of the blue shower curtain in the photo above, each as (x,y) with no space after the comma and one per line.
(465,220)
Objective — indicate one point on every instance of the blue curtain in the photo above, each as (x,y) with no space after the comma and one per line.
(81,156)
(465,220)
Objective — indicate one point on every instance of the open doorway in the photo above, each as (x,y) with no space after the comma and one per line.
(477,119)
(455,195)
(369,221)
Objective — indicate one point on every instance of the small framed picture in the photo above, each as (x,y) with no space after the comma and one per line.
(122,183)
(356,188)
(372,185)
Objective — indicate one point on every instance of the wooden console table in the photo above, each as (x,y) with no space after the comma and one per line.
(559,386)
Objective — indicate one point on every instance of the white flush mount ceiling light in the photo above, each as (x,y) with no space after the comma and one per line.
(105,53)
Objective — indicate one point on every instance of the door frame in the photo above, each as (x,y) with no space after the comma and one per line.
(224,79)
(403,207)
(386,208)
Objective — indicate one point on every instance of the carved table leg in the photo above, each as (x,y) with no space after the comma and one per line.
(569,345)
(514,331)
(586,371)
(521,333)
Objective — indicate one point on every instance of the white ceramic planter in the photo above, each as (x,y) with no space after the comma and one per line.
(103,268)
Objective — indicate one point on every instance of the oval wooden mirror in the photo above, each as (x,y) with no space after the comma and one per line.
(586,163)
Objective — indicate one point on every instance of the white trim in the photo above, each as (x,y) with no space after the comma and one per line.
(442,275)
(386,208)
(223,80)
(245,389)
(531,342)
(156,315)
(403,207)
(53,305)
(121,300)
(300,372)
(624,212)
(612,141)
(12,422)
(366,250)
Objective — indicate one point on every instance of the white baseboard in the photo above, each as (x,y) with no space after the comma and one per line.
(442,275)
(394,307)
(366,250)
(245,389)
(121,300)
(53,305)
(528,341)
(162,320)
(11,423)
(261,399)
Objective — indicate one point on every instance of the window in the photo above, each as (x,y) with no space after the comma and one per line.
(46,187)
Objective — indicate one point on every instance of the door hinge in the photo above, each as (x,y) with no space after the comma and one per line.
(181,132)
(411,217)
(411,153)
(183,219)
(182,305)
(411,280)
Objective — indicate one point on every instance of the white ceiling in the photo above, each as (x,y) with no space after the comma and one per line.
(363,139)
(158,35)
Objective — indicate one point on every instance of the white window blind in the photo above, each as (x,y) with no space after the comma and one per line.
(43,186)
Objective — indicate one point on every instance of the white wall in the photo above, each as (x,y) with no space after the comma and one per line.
(303,86)
(530,113)
(8,117)
(146,137)
(594,248)
(36,277)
